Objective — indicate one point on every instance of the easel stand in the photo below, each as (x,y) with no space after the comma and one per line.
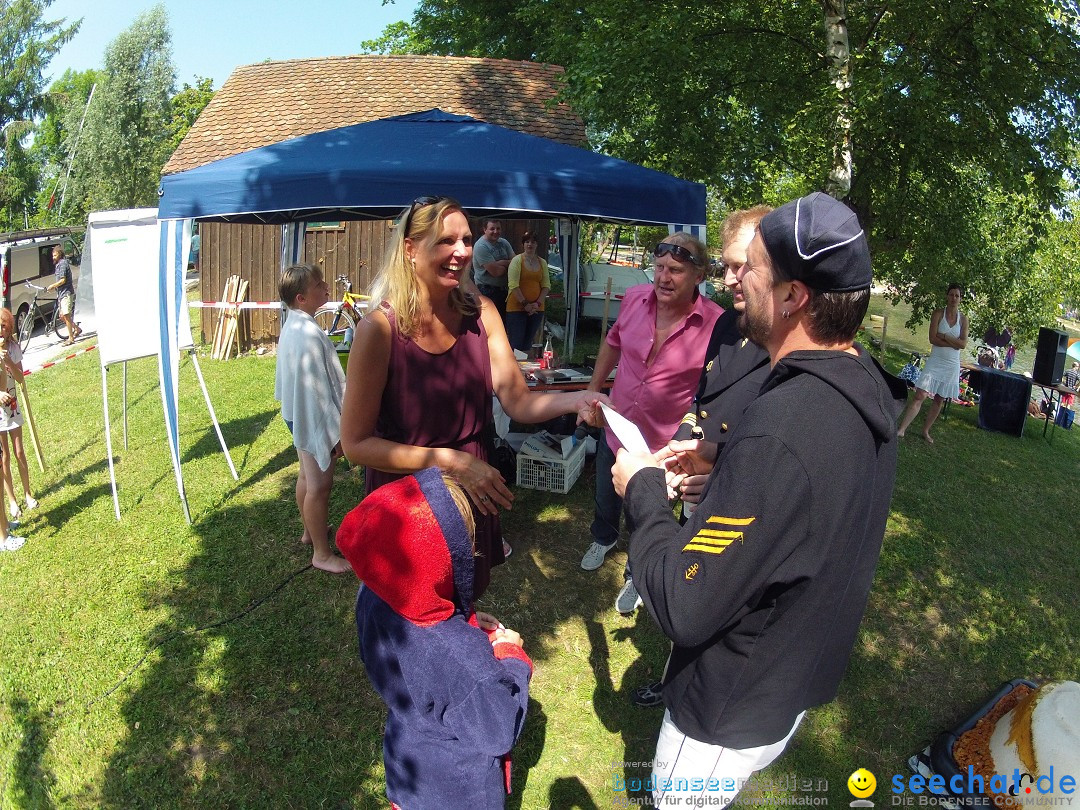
(176,461)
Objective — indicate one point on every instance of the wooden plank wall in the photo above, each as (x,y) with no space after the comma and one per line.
(357,252)
(252,252)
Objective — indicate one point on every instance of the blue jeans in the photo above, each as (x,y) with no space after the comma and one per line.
(497,296)
(521,328)
(605,525)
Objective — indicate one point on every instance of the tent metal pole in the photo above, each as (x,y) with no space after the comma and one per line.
(125,407)
(174,451)
(108,440)
(572,284)
(176,468)
(213,416)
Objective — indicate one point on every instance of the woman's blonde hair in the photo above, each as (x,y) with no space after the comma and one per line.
(396,285)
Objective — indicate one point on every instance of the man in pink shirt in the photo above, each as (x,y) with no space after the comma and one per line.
(658,342)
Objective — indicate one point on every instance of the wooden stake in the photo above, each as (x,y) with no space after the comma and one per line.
(232,314)
(31,426)
(229,295)
(241,296)
(220,321)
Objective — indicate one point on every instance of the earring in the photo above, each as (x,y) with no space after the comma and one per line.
(785,314)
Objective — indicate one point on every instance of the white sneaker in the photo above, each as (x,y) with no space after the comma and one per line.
(628,599)
(12,543)
(13,510)
(594,556)
(31,503)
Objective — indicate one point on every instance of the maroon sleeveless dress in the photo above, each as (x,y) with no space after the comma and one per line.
(443,400)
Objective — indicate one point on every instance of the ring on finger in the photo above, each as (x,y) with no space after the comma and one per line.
(483,498)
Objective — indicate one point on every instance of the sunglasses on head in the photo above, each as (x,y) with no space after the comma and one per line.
(678,251)
(418,203)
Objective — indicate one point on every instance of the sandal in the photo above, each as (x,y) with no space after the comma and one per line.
(649,695)
(12,543)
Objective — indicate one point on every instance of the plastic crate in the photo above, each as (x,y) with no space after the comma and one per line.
(550,474)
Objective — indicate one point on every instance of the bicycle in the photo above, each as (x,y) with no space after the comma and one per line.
(53,323)
(336,317)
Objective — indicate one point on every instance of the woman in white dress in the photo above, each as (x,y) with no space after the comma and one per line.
(10,419)
(940,377)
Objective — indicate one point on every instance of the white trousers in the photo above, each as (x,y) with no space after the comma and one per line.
(685,769)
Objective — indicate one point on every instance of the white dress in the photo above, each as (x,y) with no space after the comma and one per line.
(10,415)
(941,374)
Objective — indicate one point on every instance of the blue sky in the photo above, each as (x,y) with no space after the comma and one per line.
(212,37)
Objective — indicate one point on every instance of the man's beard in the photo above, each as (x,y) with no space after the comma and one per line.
(753,325)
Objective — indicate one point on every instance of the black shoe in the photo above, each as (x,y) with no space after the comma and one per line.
(649,695)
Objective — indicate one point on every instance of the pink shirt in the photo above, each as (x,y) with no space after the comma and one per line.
(657,397)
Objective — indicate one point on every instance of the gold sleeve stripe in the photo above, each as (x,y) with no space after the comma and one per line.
(717,533)
(706,549)
(711,543)
(689,419)
(730,521)
(707,541)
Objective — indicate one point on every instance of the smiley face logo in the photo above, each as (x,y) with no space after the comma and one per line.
(861,783)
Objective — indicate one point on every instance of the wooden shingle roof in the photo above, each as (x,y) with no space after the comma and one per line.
(270,102)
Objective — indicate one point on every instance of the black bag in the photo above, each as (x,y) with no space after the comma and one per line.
(505,461)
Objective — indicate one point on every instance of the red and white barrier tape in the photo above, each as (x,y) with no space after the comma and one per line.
(233,305)
(51,363)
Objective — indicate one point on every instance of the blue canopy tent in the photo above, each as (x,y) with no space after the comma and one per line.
(374,170)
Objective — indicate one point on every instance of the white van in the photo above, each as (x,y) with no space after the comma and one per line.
(27,256)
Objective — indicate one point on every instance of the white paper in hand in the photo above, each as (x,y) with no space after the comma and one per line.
(625,431)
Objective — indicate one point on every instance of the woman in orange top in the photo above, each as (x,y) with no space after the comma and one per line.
(527,285)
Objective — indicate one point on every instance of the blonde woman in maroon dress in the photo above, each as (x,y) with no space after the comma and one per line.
(424,365)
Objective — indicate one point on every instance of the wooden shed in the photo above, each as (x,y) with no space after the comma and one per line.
(273,101)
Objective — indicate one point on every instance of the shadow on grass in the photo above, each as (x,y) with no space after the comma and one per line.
(56,512)
(638,727)
(31,781)
(568,792)
(274,708)
(238,433)
(267,705)
(527,752)
(542,591)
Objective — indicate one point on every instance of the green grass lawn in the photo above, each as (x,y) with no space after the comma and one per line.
(149,664)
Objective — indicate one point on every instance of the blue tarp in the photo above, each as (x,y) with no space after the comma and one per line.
(374,170)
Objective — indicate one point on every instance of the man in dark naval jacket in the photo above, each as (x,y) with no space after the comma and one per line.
(762,591)
(732,376)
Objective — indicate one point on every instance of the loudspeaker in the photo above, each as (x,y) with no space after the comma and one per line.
(1050,356)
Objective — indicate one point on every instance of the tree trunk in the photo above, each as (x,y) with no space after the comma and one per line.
(838,53)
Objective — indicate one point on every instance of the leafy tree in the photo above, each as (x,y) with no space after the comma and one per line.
(64,102)
(28,42)
(940,118)
(127,135)
(186,106)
